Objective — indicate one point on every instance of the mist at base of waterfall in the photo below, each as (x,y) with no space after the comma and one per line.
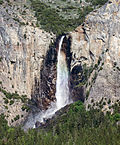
(62,92)
(40,116)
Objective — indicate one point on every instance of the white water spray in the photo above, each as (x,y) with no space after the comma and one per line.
(62,91)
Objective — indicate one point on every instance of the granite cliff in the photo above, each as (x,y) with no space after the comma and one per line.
(23,47)
(28,60)
(96,48)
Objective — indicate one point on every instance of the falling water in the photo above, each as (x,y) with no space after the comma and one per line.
(62,91)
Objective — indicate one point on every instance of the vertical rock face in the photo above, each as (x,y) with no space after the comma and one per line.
(45,88)
(22,51)
(96,47)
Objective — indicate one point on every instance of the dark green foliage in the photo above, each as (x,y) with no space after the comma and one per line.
(17,117)
(89,106)
(6,100)
(21,23)
(7,10)
(115,117)
(24,98)
(104,103)
(51,21)
(115,63)
(25,107)
(87,94)
(102,63)
(99,60)
(16,19)
(25,36)
(118,68)
(11,102)
(7,94)
(96,66)
(6,107)
(86,73)
(97,2)
(100,68)
(1,59)
(11,97)
(101,101)
(64,0)
(109,101)
(92,100)
(3,126)
(94,77)
(1,2)
(14,96)
(8,1)
(24,12)
(78,126)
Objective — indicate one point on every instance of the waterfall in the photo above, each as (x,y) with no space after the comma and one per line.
(62,91)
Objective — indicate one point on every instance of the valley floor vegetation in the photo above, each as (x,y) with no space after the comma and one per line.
(77,126)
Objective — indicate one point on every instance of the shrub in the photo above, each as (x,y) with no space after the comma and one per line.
(89,106)
(115,63)
(104,103)
(87,94)
(17,118)
(16,19)
(100,68)
(25,36)
(7,94)
(25,107)
(115,117)
(1,59)
(109,101)
(96,66)
(6,101)
(99,60)
(6,107)
(94,77)
(92,100)
(118,68)
(17,43)
(24,98)
(1,2)
(11,102)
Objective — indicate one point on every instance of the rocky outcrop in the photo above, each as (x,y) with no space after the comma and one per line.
(23,47)
(96,47)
